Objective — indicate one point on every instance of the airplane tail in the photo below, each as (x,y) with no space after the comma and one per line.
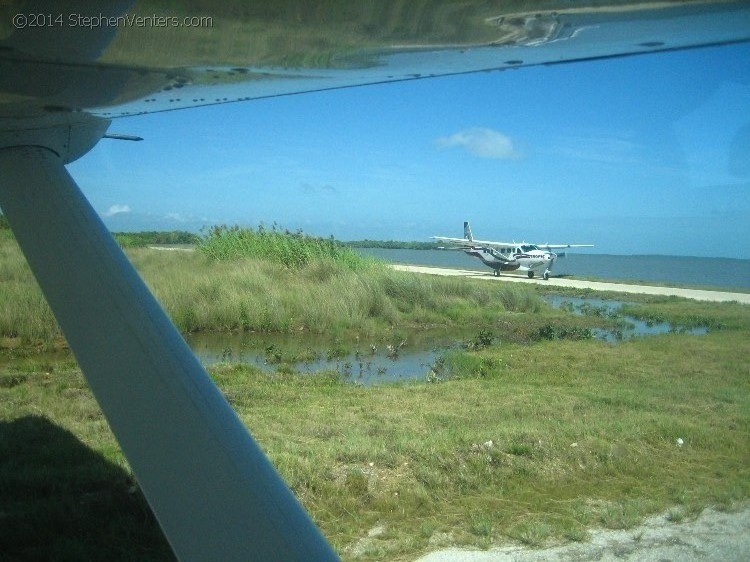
(467,232)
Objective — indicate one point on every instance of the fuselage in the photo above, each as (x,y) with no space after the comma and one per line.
(524,257)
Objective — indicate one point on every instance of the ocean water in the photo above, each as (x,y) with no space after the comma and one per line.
(718,273)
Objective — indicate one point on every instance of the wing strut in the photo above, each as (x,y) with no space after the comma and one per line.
(215,494)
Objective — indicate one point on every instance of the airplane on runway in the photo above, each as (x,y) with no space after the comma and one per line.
(509,256)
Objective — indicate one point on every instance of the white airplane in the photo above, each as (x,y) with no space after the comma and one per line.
(510,256)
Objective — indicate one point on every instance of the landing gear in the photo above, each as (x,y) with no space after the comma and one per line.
(545,275)
(496,273)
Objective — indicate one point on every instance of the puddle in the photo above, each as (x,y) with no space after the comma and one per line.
(363,362)
(403,358)
(627,326)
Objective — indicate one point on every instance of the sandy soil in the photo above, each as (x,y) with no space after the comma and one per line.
(713,536)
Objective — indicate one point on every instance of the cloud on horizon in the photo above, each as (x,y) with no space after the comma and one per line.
(116,210)
(481,142)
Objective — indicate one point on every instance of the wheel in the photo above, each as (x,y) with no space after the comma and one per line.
(546,275)
(531,274)
(496,273)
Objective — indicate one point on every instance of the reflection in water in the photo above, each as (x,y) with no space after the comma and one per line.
(126,58)
(411,357)
(361,362)
(627,327)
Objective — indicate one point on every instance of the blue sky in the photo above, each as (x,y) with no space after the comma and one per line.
(638,155)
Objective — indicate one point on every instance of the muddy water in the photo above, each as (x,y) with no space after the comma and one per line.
(364,362)
(401,356)
(627,326)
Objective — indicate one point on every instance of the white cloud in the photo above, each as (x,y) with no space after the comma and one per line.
(481,142)
(117,210)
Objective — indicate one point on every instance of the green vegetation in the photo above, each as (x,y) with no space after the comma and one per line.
(291,249)
(332,34)
(150,238)
(534,444)
(533,432)
(217,289)
(292,34)
(61,499)
(24,314)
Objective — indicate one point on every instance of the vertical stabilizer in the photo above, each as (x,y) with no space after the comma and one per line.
(467,232)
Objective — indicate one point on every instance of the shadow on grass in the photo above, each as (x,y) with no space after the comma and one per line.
(60,500)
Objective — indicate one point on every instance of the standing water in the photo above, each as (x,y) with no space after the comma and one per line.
(411,357)
(365,362)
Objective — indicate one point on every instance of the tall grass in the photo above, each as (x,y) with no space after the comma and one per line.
(143,239)
(332,292)
(291,249)
(24,314)
(324,296)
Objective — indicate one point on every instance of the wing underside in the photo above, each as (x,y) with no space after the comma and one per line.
(128,60)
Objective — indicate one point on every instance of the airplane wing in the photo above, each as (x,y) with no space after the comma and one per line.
(65,72)
(119,58)
(562,246)
(463,242)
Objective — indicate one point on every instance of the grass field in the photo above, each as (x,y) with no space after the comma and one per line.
(523,437)
(224,289)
